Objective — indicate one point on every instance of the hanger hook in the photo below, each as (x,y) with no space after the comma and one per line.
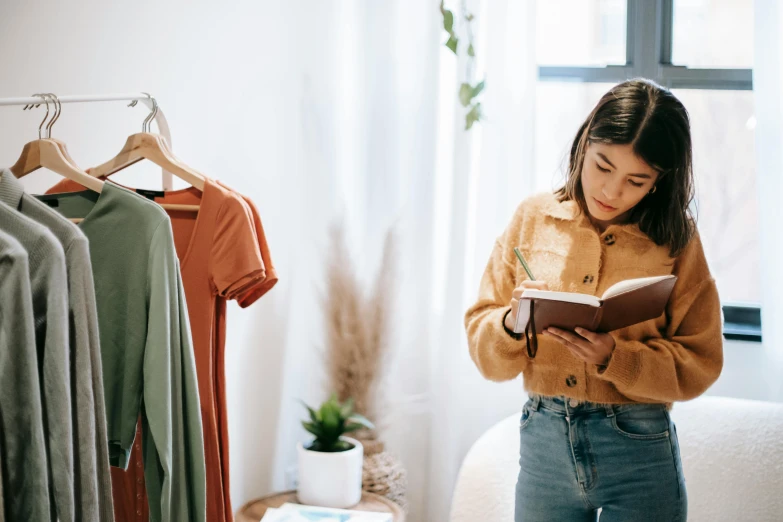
(57,111)
(46,117)
(147,125)
(153,115)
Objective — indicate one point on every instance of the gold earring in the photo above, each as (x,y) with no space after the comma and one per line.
(655,187)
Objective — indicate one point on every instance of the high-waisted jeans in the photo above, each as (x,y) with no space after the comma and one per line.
(577,457)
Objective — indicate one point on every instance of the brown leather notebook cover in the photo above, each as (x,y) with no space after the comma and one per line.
(618,311)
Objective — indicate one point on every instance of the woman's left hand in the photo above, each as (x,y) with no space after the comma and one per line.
(592,347)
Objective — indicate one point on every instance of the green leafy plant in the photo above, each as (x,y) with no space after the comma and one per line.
(330,422)
(468,92)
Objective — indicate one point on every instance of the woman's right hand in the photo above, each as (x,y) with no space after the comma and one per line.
(511,318)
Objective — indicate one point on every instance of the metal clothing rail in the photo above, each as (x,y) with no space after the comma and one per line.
(160,118)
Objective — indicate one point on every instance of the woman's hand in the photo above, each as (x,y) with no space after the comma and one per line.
(511,318)
(592,347)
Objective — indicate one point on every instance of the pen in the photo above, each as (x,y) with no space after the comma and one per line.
(524,264)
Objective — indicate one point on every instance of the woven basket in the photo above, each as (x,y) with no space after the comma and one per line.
(382,473)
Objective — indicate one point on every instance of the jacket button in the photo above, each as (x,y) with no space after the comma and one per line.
(609,239)
(588,279)
(571,381)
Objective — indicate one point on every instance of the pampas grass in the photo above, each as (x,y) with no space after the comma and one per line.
(357,324)
(357,351)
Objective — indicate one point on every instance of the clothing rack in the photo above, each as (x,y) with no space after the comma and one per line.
(160,118)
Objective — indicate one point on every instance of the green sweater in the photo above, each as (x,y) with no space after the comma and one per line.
(146,350)
(24,477)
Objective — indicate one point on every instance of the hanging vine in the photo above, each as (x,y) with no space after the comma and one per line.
(468,92)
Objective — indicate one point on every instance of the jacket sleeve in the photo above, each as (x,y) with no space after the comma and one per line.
(174,468)
(498,355)
(56,381)
(93,481)
(23,466)
(687,359)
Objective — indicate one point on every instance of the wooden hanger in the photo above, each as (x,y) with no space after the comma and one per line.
(46,153)
(145,145)
(53,155)
(58,110)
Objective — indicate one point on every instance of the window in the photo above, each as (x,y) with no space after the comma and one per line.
(597,25)
(713,34)
(703,51)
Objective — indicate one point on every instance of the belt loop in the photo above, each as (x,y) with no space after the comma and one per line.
(535,400)
(609,410)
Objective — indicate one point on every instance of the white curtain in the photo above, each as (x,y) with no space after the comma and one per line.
(363,138)
(382,142)
(768,91)
(488,171)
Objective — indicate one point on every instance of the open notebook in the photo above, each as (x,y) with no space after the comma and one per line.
(623,304)
(290,512)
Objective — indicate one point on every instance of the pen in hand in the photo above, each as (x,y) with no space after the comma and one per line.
(524,264)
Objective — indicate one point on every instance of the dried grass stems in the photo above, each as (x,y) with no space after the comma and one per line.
(357,324)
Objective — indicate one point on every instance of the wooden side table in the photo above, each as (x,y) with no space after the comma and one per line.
(255,509)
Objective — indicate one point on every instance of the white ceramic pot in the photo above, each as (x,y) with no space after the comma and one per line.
(330,479)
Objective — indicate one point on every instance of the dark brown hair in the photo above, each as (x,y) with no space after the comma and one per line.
(655,123)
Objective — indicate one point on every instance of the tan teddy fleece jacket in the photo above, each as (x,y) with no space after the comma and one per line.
(675,357)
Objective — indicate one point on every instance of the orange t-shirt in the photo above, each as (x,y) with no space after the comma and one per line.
(223,255)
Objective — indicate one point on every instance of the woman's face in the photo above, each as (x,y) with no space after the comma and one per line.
(614,180)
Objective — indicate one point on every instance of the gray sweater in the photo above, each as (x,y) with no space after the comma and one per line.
(50,310)
(2,504)
(23,469)
(92,478)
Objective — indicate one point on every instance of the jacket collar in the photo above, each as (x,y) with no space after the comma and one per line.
(566,210)
(570,211)
(11,189)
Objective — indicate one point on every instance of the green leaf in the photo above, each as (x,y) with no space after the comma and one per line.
(342,445)
(452,43)
(347,408)
(316,446)
(473,116)
(465,94)
(330,416)
(478,88)
(361,420)
(448,21)
(312,428)
(313,414)
(471,51)
(353,427)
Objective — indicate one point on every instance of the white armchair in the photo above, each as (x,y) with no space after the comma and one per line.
(732,453)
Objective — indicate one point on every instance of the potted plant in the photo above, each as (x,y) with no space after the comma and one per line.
(330,467)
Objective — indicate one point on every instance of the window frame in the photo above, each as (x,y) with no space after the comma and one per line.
(649,55)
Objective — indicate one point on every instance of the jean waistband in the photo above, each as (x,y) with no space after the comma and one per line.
(568,406)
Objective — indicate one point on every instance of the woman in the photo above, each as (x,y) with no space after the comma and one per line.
(596,432)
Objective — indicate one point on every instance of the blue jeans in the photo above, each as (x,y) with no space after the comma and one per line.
(578,457)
